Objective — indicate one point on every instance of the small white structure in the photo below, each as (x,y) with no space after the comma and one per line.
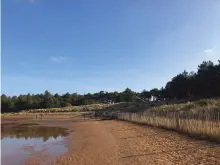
(153,98)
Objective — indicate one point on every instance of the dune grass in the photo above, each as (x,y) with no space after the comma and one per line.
(199,119)
(68,109)
(194,127)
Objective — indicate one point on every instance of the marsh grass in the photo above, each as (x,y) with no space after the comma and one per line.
(195,127)
(199,119)
(81,108)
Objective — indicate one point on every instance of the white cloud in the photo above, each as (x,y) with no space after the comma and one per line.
(57,59)
(212,55)
(208,51)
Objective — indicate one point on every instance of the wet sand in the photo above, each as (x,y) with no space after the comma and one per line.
(99,142)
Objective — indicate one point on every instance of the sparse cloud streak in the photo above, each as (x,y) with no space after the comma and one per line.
(208,50)
(57,59)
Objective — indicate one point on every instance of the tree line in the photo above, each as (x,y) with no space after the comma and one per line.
(204,83)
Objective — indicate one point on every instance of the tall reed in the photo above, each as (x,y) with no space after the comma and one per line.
(197,126)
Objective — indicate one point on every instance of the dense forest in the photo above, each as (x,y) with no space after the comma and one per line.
(205,83)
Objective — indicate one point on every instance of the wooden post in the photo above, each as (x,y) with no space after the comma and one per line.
(177,122)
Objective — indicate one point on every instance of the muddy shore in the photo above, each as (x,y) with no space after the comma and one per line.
(99,142)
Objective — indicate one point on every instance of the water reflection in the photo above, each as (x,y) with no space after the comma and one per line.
(19,141)
(32,131)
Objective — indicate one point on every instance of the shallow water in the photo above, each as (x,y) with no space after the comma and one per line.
(19,142)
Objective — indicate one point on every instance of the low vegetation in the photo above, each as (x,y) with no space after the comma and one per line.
(200,119)
(68,109)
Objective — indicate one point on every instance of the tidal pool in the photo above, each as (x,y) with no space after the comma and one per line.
(20,141)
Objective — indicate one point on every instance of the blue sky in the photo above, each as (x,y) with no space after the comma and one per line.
(86,46)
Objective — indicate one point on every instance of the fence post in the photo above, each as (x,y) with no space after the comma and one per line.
(177,121)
